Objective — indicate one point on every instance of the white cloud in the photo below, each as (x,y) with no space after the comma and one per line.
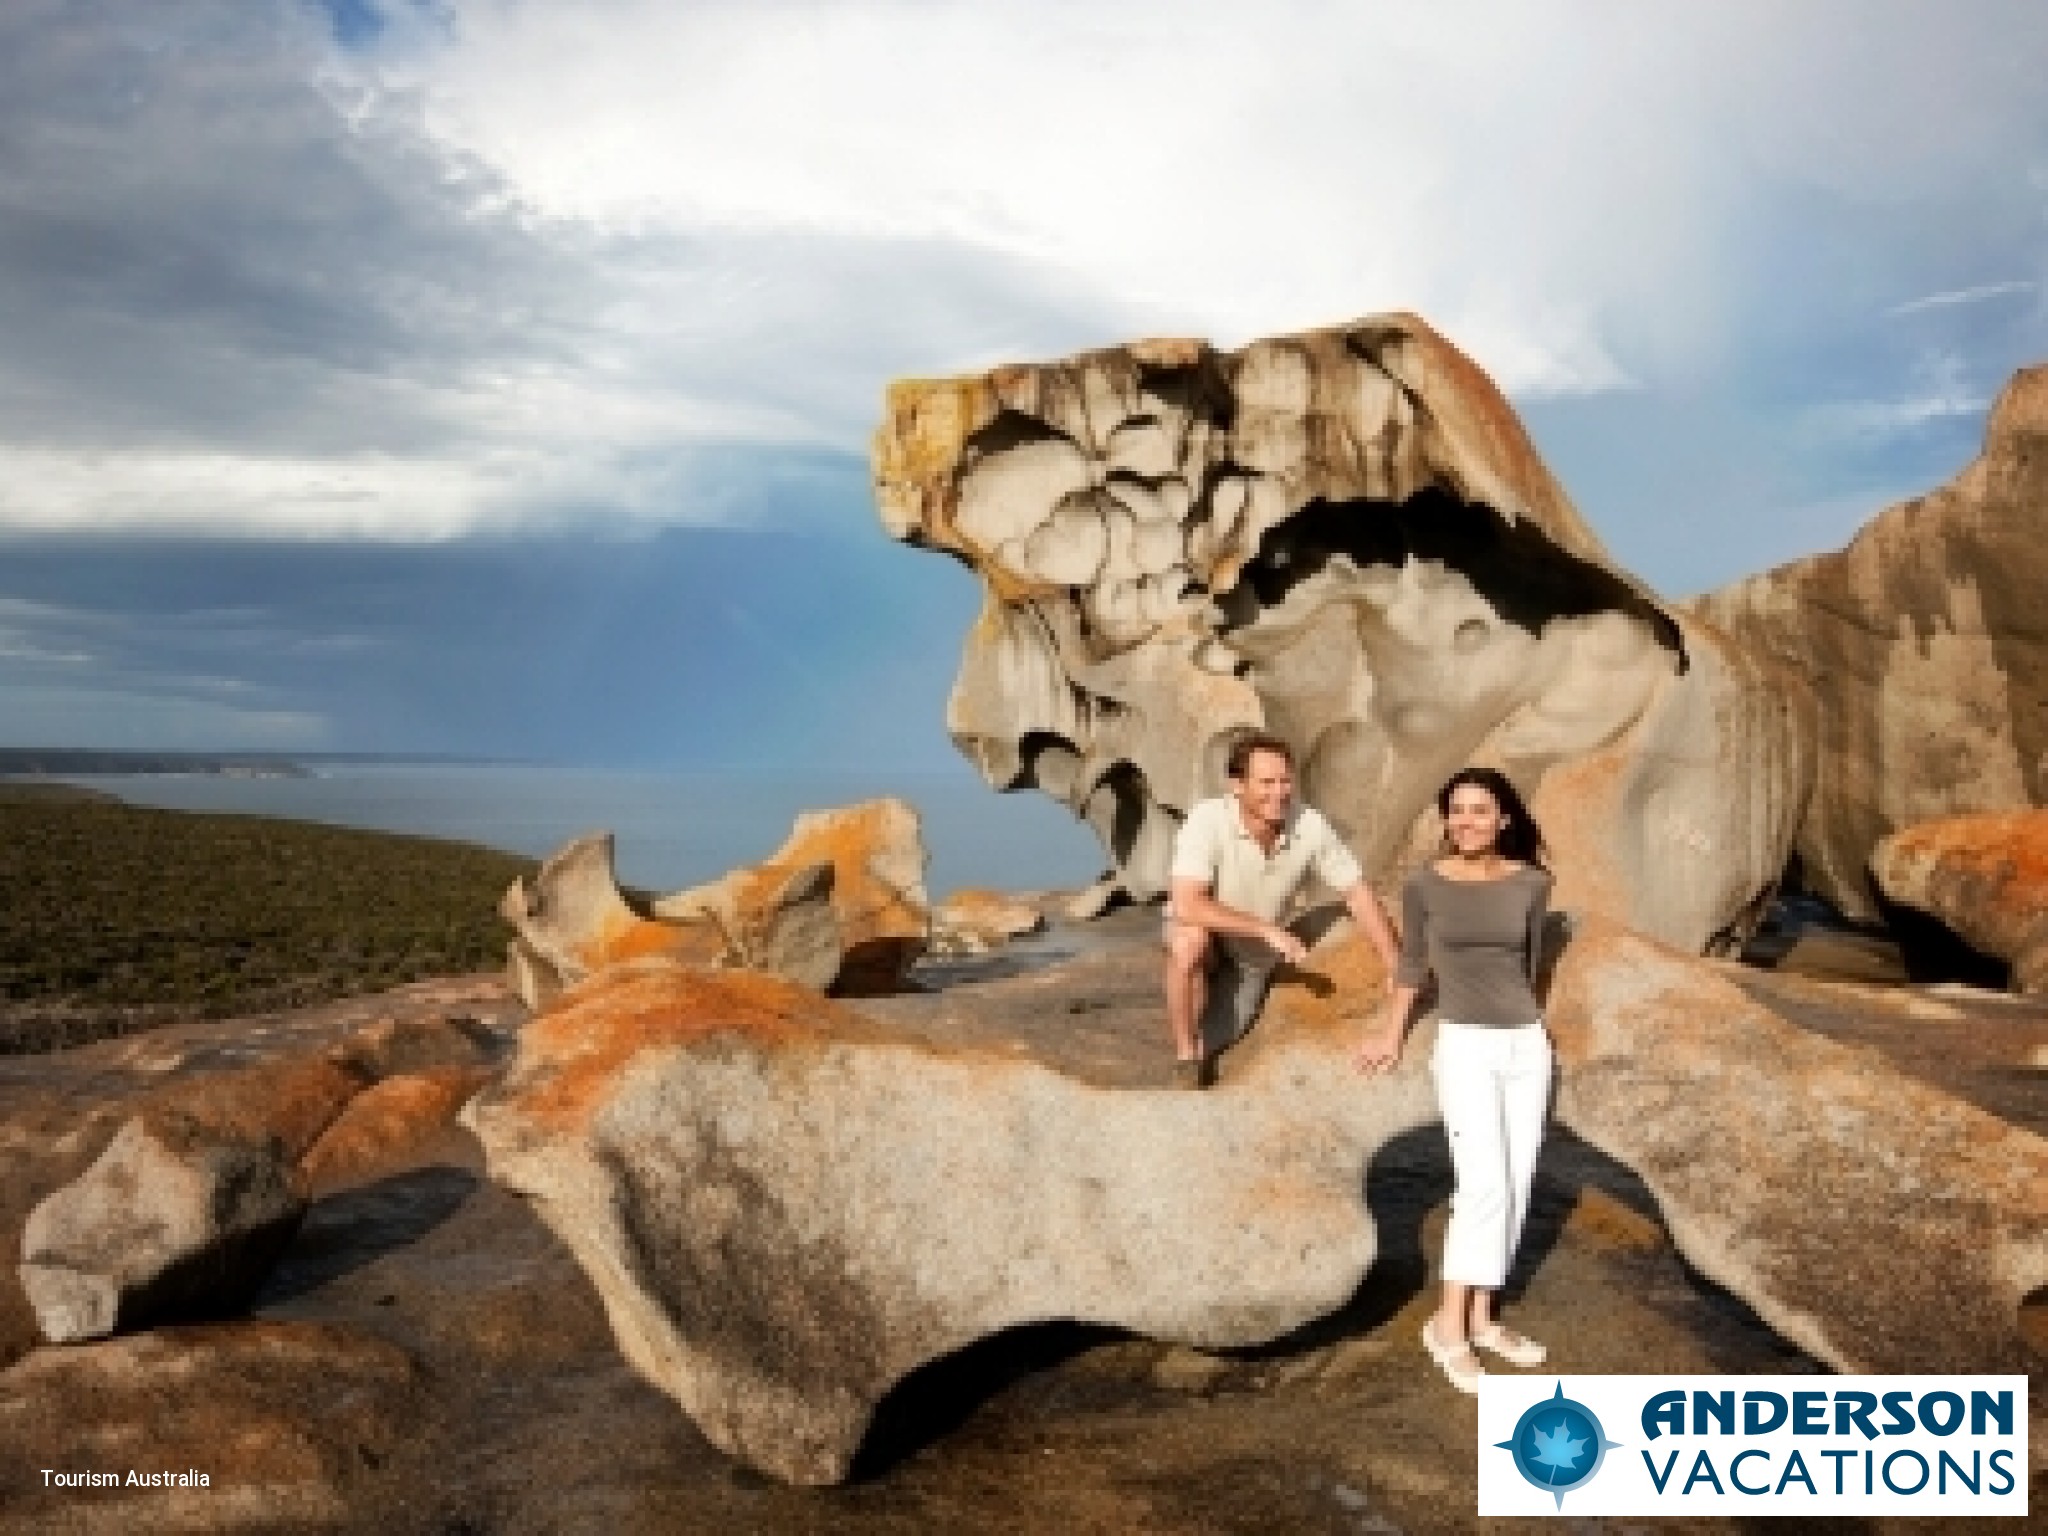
(1952,297)
(1942,393)
(1191,167)
(517,265)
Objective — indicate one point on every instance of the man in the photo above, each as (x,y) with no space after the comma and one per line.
(1239,861)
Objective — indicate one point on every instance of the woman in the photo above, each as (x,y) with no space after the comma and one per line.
(1474,919)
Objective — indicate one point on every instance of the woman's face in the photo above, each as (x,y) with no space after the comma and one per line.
(1475,820)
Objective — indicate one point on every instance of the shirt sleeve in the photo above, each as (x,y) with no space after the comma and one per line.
(1539,909)
(1335,865)
(1194,851)
(1414,966)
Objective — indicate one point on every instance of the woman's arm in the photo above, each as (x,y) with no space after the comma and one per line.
(1380,1050)
(1539,909)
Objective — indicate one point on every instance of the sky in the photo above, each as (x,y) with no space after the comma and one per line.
(474,376)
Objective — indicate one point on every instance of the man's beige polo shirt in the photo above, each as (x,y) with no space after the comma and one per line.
(1213,847)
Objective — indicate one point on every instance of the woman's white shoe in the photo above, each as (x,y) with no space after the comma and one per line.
(1510,1346)
(1460,1366)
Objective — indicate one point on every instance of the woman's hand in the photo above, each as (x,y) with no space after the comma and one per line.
(1380,1050)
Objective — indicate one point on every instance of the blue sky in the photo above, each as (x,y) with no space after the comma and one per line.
(478,376)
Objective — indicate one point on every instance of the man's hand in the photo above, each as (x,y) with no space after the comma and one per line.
(1380,1050)
(1287,945)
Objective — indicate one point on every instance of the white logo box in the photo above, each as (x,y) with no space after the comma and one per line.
(1824,1418)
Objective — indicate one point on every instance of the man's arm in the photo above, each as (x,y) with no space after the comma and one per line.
(1193,903)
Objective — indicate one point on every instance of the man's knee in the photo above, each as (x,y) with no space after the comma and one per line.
(1187,947)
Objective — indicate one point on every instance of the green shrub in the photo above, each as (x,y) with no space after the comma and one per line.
(113,917)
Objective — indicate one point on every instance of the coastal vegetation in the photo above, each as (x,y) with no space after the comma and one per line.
(114,918)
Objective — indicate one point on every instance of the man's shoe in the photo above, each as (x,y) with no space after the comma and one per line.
(1191,1072)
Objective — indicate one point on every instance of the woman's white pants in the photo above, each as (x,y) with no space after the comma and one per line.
(1494,1088)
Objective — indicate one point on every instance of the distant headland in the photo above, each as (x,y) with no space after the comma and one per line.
(55,762)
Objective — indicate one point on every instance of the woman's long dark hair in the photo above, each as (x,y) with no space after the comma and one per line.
(1521,839)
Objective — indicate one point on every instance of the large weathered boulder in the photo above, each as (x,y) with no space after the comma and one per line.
(1926,642)
(1983,877)
(1344,536)
(868,860)
(174,1217)
(786,1207)
(1878,1223)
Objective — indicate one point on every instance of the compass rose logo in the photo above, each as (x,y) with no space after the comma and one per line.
(1558,1445)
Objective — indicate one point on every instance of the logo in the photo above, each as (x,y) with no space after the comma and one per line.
(1558,1445)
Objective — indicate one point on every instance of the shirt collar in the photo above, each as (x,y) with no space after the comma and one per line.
(1281,840)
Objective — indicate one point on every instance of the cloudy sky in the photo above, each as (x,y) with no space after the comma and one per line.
(495,377)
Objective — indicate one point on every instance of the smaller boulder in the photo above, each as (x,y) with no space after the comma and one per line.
(776,918)
(176,1217)
(876,853)
(572,922)
(974,921)
(1985,878)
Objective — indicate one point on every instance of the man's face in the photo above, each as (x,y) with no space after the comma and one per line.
(1266,791)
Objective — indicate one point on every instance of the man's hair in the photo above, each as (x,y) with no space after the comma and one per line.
(1239,763)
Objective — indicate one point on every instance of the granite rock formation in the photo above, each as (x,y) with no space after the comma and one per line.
(1878,1223)
(1926,642)
(786,1208)
(1985,878)
(1344,536)
(840,904)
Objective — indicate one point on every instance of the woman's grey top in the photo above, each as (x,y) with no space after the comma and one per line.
(1482,938)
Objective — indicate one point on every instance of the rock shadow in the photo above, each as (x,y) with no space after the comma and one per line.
(345,1231)
(933,1401)
(1931,951)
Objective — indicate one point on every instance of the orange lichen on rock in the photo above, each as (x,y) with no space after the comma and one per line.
(877,858)
(387,1125)
(1983,876)
(570,1055)
(292,1101)
(1324,1005)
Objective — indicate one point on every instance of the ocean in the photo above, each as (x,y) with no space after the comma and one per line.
(670,829)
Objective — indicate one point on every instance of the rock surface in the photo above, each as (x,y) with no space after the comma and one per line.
(1846,1202)
(286,1421)
(879,913)
(788,1208)
(1347,537)
(277,1081)
(1926,643)
(1983,877)
(428,1357)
